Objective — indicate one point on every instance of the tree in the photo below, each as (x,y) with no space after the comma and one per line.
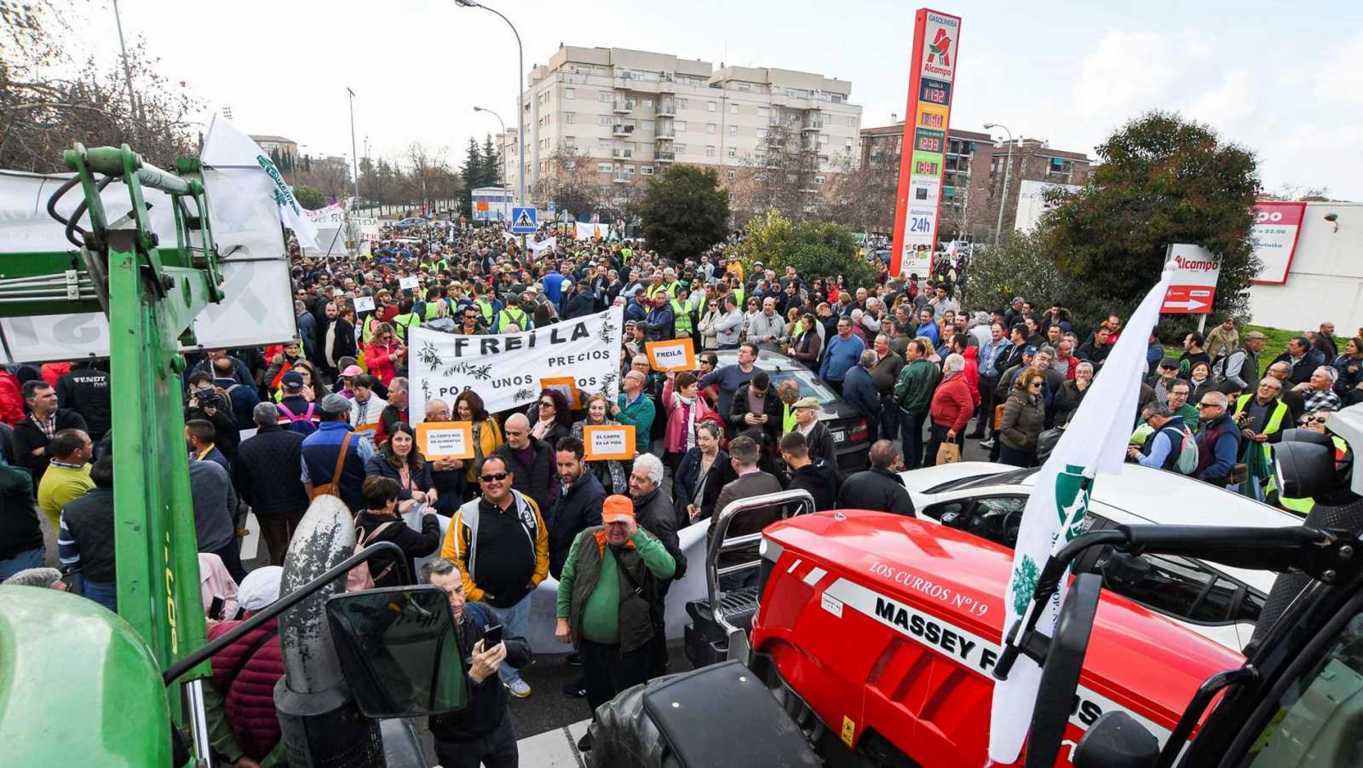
(571,183)
(309,197)
(864,197)
(781,175)
(684,211)
(472,173)
(814,248)
(1159,180)
(1021,266)
(492,164)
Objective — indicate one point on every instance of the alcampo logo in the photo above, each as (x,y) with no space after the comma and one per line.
(940,47)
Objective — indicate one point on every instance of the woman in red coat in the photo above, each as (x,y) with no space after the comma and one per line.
(384,354)
(685,408)
(240,702)
(952,405)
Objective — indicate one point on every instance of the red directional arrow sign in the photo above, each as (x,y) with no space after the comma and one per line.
(1192,289)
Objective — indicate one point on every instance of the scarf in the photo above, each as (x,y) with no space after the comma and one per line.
(688,406)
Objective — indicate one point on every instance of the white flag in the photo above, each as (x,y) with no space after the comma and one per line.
(1094,442)
(228,147)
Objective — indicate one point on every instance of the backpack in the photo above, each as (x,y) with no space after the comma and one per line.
(359,579)
(300,423)
(1184,457)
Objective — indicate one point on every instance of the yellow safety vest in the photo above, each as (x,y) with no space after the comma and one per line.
(681,320)
(1275,422)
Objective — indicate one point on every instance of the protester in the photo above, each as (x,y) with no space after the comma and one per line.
(382,520)
(654,512)
(507,527)
(756,407)
(334,457)
(529,460)
(731,377)
(952,404)
(702,473)
(578,504)
(43,421)
(809,474)
(1218,440)
(913,395)
(634,408)
(68,473)
(487,434)
(610,473)
(749,480)
(86,541)
(1024,416)
(482,732)
(266,477)
(399,460)
(860,391)
(842,352)
(610,624)
(879,487)
(551,418)
(215,509)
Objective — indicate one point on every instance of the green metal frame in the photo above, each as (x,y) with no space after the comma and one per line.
(151,295)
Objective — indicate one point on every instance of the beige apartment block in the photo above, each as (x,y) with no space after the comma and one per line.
(629,114)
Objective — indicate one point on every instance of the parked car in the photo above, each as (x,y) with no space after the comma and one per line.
(851,438)
(412,221)
(1216,601)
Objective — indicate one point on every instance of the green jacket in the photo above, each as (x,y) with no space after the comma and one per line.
(639,414)
(610,599)
(913,391)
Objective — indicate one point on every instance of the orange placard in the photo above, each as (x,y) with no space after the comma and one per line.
(445,439)
(608,442)
(673,355)
(567,386)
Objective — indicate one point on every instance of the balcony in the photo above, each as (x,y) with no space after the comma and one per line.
(664,156)
(621,106)
(665,134)
(621,178)
(623,129)
(666,84)
(622,154)
(667,107)
(811,125)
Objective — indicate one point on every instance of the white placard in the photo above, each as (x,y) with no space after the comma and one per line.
(364,304)
(409,283)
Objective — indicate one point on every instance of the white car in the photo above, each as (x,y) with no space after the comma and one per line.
(1216,601)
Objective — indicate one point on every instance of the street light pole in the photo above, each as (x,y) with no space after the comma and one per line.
(1007,164)
(520,84)
(127,75)
(354,158)
(501,172)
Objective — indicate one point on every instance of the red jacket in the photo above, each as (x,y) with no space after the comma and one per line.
(674,436)
(1069,372)
(11,399)
(52,372)
(972,371)
(381,362)
(248,695)
(952,403)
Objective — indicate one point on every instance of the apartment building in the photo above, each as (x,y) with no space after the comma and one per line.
(973,175)
(628,114)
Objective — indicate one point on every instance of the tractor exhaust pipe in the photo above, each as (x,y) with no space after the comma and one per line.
(319,722)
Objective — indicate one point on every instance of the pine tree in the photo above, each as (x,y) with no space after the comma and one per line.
(492,161)
(472,174)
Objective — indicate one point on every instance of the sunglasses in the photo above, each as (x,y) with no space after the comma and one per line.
(493,478)
(546,403)
(1208,405)
(1315,420)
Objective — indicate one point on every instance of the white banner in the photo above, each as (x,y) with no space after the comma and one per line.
(592,231)
(228,147)
(332,215)
(1094,442)
(505,369)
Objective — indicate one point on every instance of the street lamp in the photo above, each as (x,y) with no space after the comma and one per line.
(501,172)
(520,83)
(1007,163)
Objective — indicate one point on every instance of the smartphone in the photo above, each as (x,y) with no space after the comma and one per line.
(492,636)
(215,608)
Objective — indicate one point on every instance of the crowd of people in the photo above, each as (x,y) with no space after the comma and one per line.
(268,429)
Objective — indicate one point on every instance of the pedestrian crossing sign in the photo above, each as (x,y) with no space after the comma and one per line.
(524,221)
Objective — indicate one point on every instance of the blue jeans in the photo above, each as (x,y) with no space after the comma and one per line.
(32,558)
(911,435)
(103,592)
(515,622)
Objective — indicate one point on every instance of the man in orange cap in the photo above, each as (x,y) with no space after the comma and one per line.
(607,594)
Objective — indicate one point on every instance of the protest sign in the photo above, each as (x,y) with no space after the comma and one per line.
(608,442)
(408,283)
(566,386)
(445,439)
(673,355)
(505,369)
(364,304)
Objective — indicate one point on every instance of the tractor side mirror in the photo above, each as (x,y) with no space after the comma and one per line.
(398,651)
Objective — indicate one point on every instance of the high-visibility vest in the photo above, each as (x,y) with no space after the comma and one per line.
(788,419)
(681,320)
(1275,421)
(1304,506)
(486,307)
(513,315)
(402,322)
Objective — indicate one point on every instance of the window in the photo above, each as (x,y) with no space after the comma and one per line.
(709,150)
(733,109)
(570,93)
(603,119)
(733,130)
(680,125)
(681,103)
(818,179)
(732,175)
(569,118)
(603,167)
(680,148)
(823,139)
(711,128)
(646,104)
(604,96)
(710,106)
(647,170)
(1310,724)
(1179,587)
(733,152)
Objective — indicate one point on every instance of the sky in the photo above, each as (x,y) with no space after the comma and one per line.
(1285,81)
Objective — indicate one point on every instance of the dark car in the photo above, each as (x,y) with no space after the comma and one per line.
(851,438)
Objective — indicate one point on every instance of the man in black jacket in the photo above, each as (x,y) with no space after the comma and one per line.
(85,390)
(756,406)
(266,476)
(44,419)
(880,487)
(530,461)
(816,477)
(86,541)
(482,732)
(578,505)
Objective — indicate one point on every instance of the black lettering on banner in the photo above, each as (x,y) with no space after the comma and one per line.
(487,345)
(513,342)
(554,338)
(459,343)
(579,332)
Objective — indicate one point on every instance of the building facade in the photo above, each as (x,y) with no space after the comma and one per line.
(972,184)
(627,115)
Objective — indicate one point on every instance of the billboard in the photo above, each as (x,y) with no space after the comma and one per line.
(492,204)
(932,75)
(1274,233)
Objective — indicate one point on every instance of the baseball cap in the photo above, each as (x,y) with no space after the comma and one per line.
(1030,350)
(1168,362)
(1252,335)
(334,403)
(617,509)
(292,380)
(806,402)
(351,371)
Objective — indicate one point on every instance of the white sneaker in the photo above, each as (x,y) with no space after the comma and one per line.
(520,689)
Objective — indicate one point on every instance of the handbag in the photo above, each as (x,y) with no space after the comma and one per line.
(948,453)
(333,488)
(998,417)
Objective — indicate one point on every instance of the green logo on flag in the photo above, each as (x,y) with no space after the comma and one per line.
(1072,492)
(1024,583)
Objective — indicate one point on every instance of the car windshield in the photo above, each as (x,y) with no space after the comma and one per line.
(809,386)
